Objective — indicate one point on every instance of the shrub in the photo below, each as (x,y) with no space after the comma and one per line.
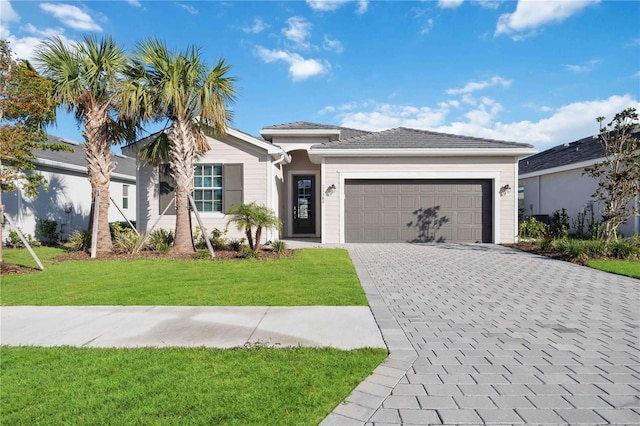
(236,244)
(622,249)
(249,253)
(161,240)
(279,246)
(532,228)
(125,240)
(560,223)
(46,230)
(79,241)
(581,248)
(15,241)
(218,238)
(203,254)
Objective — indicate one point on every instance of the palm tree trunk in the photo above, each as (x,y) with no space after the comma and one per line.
(99,168)
(258,237)
(182,154)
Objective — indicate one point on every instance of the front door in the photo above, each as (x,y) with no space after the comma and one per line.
(304,220)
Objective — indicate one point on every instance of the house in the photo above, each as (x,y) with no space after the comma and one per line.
(343,185)
(553,179)
(68,197)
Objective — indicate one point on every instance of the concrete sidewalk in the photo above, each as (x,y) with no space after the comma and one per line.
(343,327)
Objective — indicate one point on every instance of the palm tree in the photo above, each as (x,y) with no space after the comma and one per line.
(85,79)
(249,216)
(177,86)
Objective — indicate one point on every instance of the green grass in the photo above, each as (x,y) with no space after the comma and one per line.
(621,267)
(177,386)
(310,277)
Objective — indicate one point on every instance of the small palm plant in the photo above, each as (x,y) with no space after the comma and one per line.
(248,217)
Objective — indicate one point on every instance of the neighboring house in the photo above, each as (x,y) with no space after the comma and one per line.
(68,197)
(553,179)
(344,185)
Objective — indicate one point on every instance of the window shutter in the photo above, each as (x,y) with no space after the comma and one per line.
(167,193)
(232,186)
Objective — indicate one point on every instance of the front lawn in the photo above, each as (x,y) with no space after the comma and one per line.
(178,386)
(620,267)
(309,277)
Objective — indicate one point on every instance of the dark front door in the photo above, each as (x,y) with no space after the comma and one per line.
(304,220)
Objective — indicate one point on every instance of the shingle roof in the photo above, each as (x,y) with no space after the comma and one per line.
(124,165)
(345,132)
(584,149)
(404,138)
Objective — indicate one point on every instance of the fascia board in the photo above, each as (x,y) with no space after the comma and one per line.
(75,168)
(561,169)
(300,132)
(448,152)
(270,148)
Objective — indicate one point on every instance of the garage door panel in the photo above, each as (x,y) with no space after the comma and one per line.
(418,211)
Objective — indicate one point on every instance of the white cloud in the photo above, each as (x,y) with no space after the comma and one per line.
(71,16)
(258,26)
(298,30)
(530,15)
(565,124)
(192,10)
(7,14)
(427,26)
(331,5)
(363,5)
(449,4)
(135,3)
(487,4)
(589,66)
(332,45)
(479,85)
(299,67)
(633,43)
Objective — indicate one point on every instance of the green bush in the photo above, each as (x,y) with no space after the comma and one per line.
(236,244)
(79,241)
(581,248)
(125,239)
(203,254)
(623,249)
(278,246)
(15,241)
(532,228)
(46,230)
(218,238)
(161,240)
(249,253)
(560,223)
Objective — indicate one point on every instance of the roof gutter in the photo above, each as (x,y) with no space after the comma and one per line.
(438,152)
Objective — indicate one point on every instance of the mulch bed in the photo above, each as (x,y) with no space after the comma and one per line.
(221,254)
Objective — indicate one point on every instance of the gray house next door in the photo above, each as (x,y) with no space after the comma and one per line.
(418,211)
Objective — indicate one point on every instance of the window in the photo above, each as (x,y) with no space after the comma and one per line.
(125,197)
(207,187)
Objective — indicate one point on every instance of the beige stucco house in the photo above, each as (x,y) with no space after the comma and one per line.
(343,185)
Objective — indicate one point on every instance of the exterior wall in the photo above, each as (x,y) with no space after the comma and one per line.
(257,171)
(300,164)
(502,170)
(571,190)
(67,201)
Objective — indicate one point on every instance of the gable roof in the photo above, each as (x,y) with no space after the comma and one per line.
(405,138)
(76,159)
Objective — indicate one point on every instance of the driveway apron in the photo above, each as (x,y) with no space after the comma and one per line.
(483,334)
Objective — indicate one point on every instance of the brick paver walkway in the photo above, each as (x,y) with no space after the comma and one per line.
(484,334)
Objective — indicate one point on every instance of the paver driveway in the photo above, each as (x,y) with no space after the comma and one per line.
(484,334)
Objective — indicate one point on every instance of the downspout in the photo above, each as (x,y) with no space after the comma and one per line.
(284,159)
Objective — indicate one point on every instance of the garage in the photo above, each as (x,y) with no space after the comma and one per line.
(418,211)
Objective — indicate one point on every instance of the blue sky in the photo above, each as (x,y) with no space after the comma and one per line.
(538,72)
